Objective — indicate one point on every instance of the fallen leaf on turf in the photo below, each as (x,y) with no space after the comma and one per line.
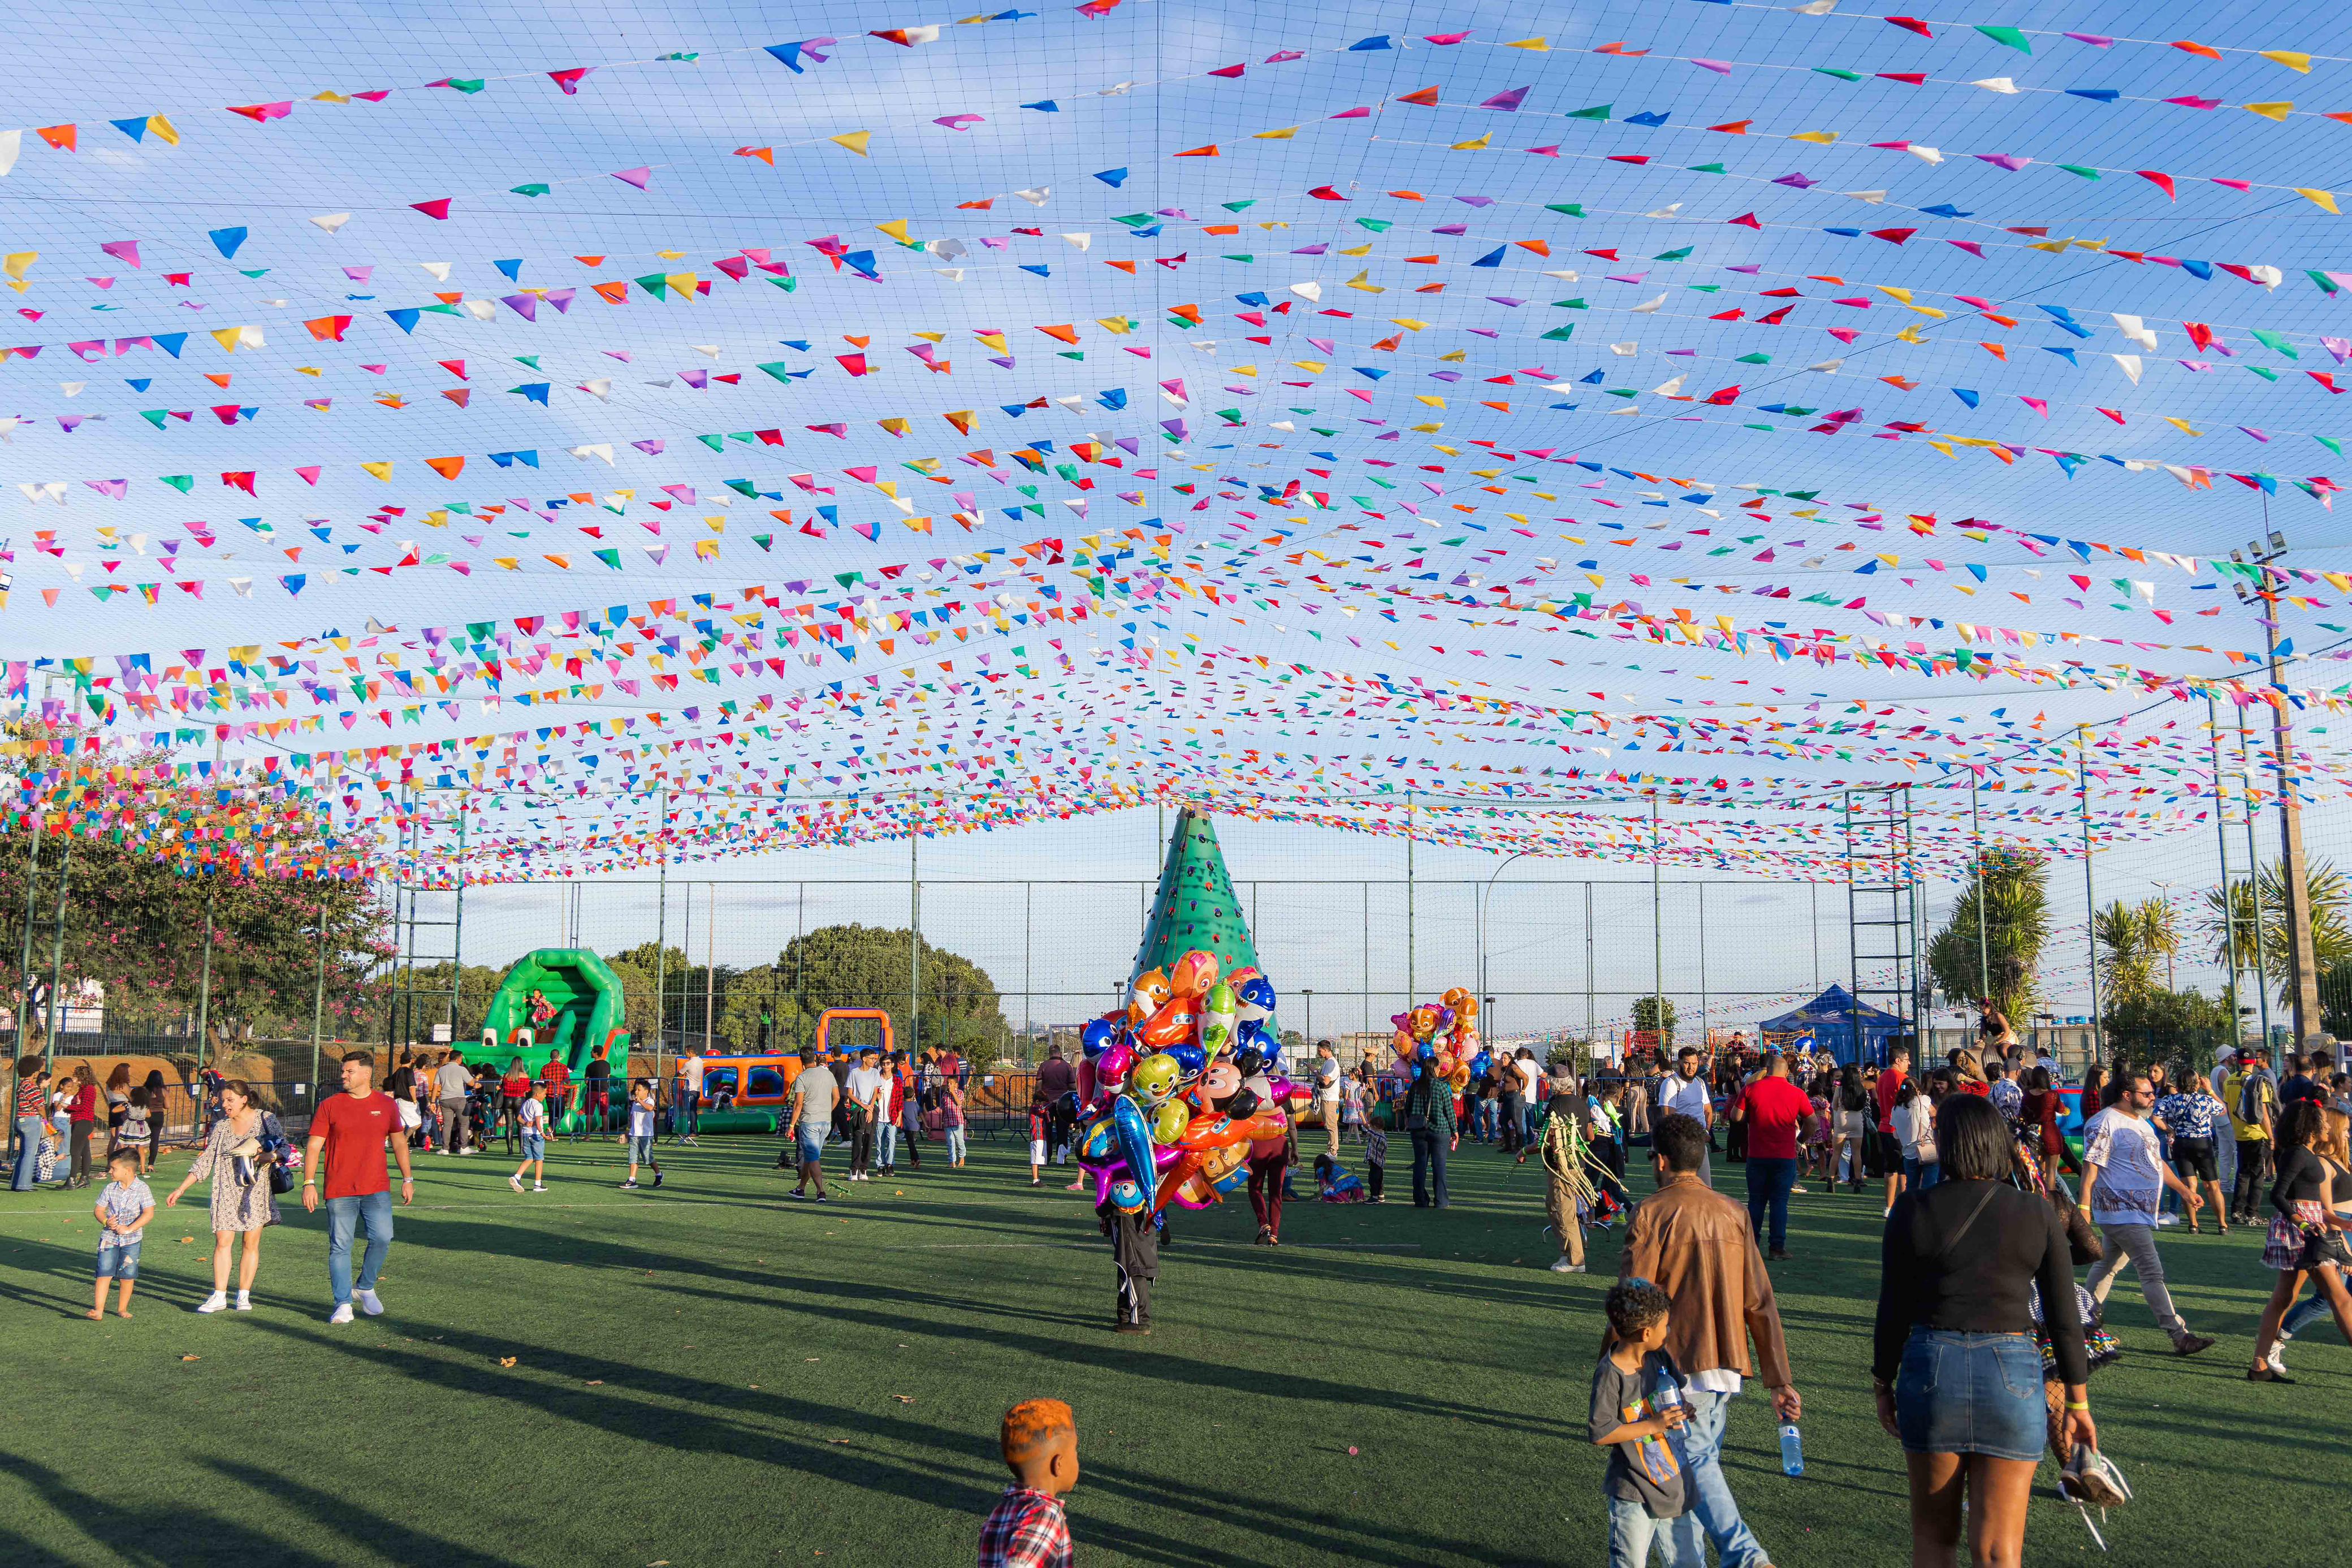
(595,1383)
(192,1358)
(812,1358)
(506,1361)
(186,1239)
(844,1441)
(904,1399)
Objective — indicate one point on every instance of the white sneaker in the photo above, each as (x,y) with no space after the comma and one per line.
(244,1301)
(2277,1362)
(1564,1267)
(515,1182)
(214,1303)
(539,1186)
(342,1314)
(369,1302)
(2167,1220)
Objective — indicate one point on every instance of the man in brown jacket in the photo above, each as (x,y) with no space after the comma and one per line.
(1697,1246)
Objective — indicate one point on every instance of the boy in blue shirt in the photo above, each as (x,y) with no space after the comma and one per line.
(123,1209)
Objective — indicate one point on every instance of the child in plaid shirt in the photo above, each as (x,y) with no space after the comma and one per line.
(1027,1529)
(1376,1159)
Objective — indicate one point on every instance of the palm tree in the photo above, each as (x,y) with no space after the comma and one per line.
(2014,893)
(2232,911)
(2127,966)
(2159,936)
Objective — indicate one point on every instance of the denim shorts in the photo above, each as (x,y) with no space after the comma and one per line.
(116,1262)
(534,1146)
(811,1139)
(641,1150)
(1971,1394)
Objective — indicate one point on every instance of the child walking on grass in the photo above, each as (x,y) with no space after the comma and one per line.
(1376,1159)
(1040,1129)
(530,1117)
(1027,1529)
(123,1209)
(641,1131)
(1637,1414)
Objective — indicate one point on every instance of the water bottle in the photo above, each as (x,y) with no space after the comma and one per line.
(1792,1450)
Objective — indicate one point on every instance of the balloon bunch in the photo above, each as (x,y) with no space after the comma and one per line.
(1180,1088)
(1441,1036)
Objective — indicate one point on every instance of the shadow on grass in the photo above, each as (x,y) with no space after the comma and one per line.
(724,1420)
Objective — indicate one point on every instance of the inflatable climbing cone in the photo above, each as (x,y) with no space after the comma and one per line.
(1196,907)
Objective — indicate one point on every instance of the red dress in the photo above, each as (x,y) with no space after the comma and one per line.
(2041,1109)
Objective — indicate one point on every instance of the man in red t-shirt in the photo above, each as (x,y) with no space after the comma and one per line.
(1776,1111)
(1890,1147)
(557,1076)
(347,1134)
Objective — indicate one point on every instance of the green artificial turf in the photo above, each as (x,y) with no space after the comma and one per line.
(706,1375)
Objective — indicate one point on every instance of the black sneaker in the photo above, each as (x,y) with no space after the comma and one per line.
(658,1178)
(797,1192)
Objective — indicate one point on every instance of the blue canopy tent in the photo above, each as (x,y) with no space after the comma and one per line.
(1831,1018)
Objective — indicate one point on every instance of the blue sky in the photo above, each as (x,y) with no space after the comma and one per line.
(1129,89)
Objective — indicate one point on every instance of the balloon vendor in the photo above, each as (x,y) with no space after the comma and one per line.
(1169,1119)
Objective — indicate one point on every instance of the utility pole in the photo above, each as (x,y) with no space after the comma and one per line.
(2222,842)
(1657,938)
(2090,898)
(1984,950)
(2254,877)
(915,935)
(2293,876)
(1410,992)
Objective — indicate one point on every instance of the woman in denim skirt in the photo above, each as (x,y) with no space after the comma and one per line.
(1958,1370)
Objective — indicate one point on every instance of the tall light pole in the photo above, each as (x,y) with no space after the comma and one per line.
(2294,878)
(2164,895)
(1485,893)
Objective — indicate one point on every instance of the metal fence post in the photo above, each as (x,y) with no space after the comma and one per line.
(661,940)
(57,959)
(914,941)
(317,1001)
(25,970)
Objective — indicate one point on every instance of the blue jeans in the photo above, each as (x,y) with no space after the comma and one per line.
(1919,1175)
(2308,1312)
(1632,1533)
(686,1115)
(344,1217)
(28,1151)
(1713,1514)
(1429,1151)
(955,1145)
(1769,1181)
(888,1143)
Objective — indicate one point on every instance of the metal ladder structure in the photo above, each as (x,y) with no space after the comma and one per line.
(430,910)
(1882,914)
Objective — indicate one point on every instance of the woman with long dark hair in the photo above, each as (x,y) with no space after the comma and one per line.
(2039,1116)
(1955,1361)
(1851,1114)
(2306,1235)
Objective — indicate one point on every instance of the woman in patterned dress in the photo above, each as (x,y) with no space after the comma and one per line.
(242,1203)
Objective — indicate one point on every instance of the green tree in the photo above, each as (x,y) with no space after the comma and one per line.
(2157,1025)
(2233,913)
(1648,1017)
(135,923)
(476,985)
(862,967)
(2013,893)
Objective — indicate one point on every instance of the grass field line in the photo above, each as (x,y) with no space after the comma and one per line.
(1190,1245)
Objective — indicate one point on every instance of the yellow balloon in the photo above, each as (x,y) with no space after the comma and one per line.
(1168,1122)
(1154,1078)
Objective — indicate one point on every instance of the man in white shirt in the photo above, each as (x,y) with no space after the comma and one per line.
(689,1098)
(1534,1090)
(2124,1174)
(1687,1093)
(1326,1091)
(868,1091)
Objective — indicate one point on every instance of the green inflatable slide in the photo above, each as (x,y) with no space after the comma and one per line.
(587,1003)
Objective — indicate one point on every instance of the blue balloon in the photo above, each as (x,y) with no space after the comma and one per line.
(1134,1137)
(1190,1059)
(1254,1035)
(1099,1036)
